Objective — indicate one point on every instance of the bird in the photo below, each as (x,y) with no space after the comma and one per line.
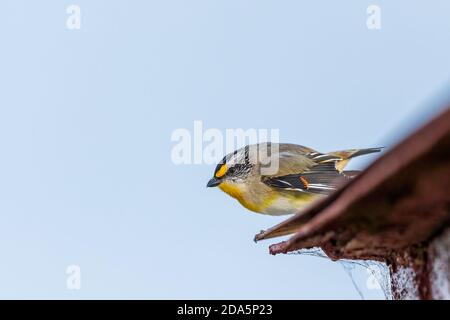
(282,178)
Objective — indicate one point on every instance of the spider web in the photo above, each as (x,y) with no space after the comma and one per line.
(378,270)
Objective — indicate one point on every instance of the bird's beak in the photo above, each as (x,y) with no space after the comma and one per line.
(213,183)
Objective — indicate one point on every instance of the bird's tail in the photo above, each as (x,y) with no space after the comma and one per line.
(346,155)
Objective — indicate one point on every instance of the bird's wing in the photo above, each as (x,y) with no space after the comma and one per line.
(292,159)
(306,170)
(295,159)
(322,178)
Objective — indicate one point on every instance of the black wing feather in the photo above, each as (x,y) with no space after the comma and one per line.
(321,179)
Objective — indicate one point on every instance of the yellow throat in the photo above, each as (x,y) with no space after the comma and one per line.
(272,203)
(237,193)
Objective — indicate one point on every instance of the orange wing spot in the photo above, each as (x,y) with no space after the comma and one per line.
(305,182)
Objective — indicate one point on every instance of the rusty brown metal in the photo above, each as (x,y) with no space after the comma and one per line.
(402,199)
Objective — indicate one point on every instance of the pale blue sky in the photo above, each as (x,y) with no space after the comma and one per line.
(86,118)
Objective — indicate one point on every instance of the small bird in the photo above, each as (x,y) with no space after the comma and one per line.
(302,175)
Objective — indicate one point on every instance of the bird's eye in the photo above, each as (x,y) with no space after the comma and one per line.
(221,172)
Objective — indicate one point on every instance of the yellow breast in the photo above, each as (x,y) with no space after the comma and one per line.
(237,193)
(270,202)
